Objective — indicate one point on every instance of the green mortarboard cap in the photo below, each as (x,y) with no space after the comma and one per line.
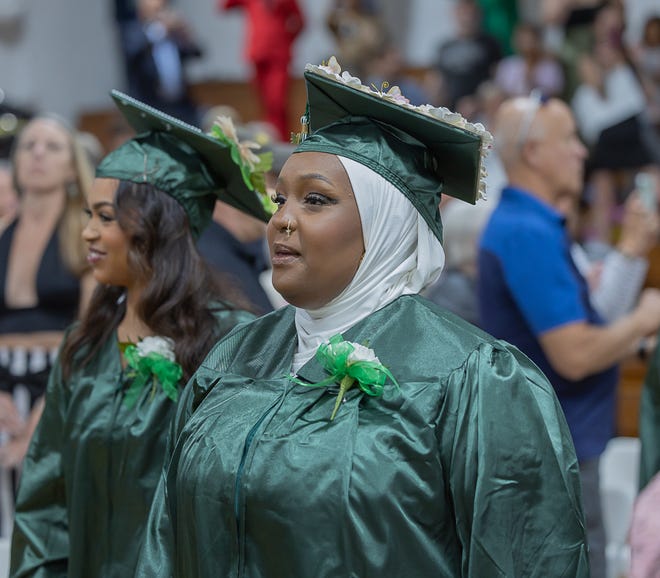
(421,150)
(194,168)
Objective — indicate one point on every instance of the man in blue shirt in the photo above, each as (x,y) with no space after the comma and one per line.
(532,295)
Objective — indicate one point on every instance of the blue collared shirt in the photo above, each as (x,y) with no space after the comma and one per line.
(528,285)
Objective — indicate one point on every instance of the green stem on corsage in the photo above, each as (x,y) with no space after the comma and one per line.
(344,385)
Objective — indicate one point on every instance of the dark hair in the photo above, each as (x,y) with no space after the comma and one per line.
(179,289)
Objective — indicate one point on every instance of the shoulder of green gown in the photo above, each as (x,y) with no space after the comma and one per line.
(411,327)
(228,316)
(427,342)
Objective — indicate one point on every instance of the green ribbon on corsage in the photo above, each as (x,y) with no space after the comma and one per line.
(151,366)
(347,364)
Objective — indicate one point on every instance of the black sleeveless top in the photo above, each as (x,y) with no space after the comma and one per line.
(58,291)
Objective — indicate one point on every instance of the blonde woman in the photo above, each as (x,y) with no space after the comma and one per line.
(43,280)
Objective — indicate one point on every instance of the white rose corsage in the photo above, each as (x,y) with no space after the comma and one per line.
(152,358)
(350,363)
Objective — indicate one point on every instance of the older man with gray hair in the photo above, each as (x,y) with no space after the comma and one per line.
(532,295)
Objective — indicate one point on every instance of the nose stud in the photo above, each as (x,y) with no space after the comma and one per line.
(288,228)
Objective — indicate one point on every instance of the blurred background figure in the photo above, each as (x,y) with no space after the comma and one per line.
(272,28)
(92,146)
(646,56)
(117,132)
(221,110)
(358,31)
(469,57)
(44,280)
(386,65)
(487,101)
(615,274)
(610,108)
(8,196)
(156,44)
(12,118)
(532,295)
(570,24)
(234,244)
(529,66)
(499,20)
(456,290)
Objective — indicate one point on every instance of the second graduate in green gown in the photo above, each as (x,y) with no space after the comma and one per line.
(95,459)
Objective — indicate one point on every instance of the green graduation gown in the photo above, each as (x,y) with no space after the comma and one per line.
(649,421)
(91,471)
(467,470)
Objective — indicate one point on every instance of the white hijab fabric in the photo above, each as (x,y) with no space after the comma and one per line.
(402,256)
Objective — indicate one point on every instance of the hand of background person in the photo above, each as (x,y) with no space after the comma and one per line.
(640,228)
(594,275)
(590,72)
(13,452)
(10,420)
(173,22)
(647,311)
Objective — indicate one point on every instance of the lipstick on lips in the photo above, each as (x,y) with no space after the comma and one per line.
(283,254)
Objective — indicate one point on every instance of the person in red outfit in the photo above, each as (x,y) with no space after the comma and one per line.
(273,26)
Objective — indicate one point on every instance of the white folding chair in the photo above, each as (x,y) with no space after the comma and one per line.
(619,477)
(5,550)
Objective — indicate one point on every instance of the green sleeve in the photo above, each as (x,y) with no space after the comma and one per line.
(40,540)
(649,422)
(512,470)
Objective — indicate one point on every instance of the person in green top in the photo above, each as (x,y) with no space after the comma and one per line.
(95,459)
(363,430)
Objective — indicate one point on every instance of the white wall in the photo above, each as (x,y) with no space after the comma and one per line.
(66,59)
(430,22)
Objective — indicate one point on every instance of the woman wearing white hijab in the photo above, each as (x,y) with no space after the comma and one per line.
(393,265)
(363,431)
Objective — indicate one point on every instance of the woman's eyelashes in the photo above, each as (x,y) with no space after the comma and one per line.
(318,199)
(106,218)
(312,198)
(102,216)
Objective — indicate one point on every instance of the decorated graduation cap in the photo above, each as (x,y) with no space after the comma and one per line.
(422,150)
(193,167)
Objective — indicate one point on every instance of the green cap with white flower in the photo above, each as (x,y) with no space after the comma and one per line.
(422,150)
(193,167)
